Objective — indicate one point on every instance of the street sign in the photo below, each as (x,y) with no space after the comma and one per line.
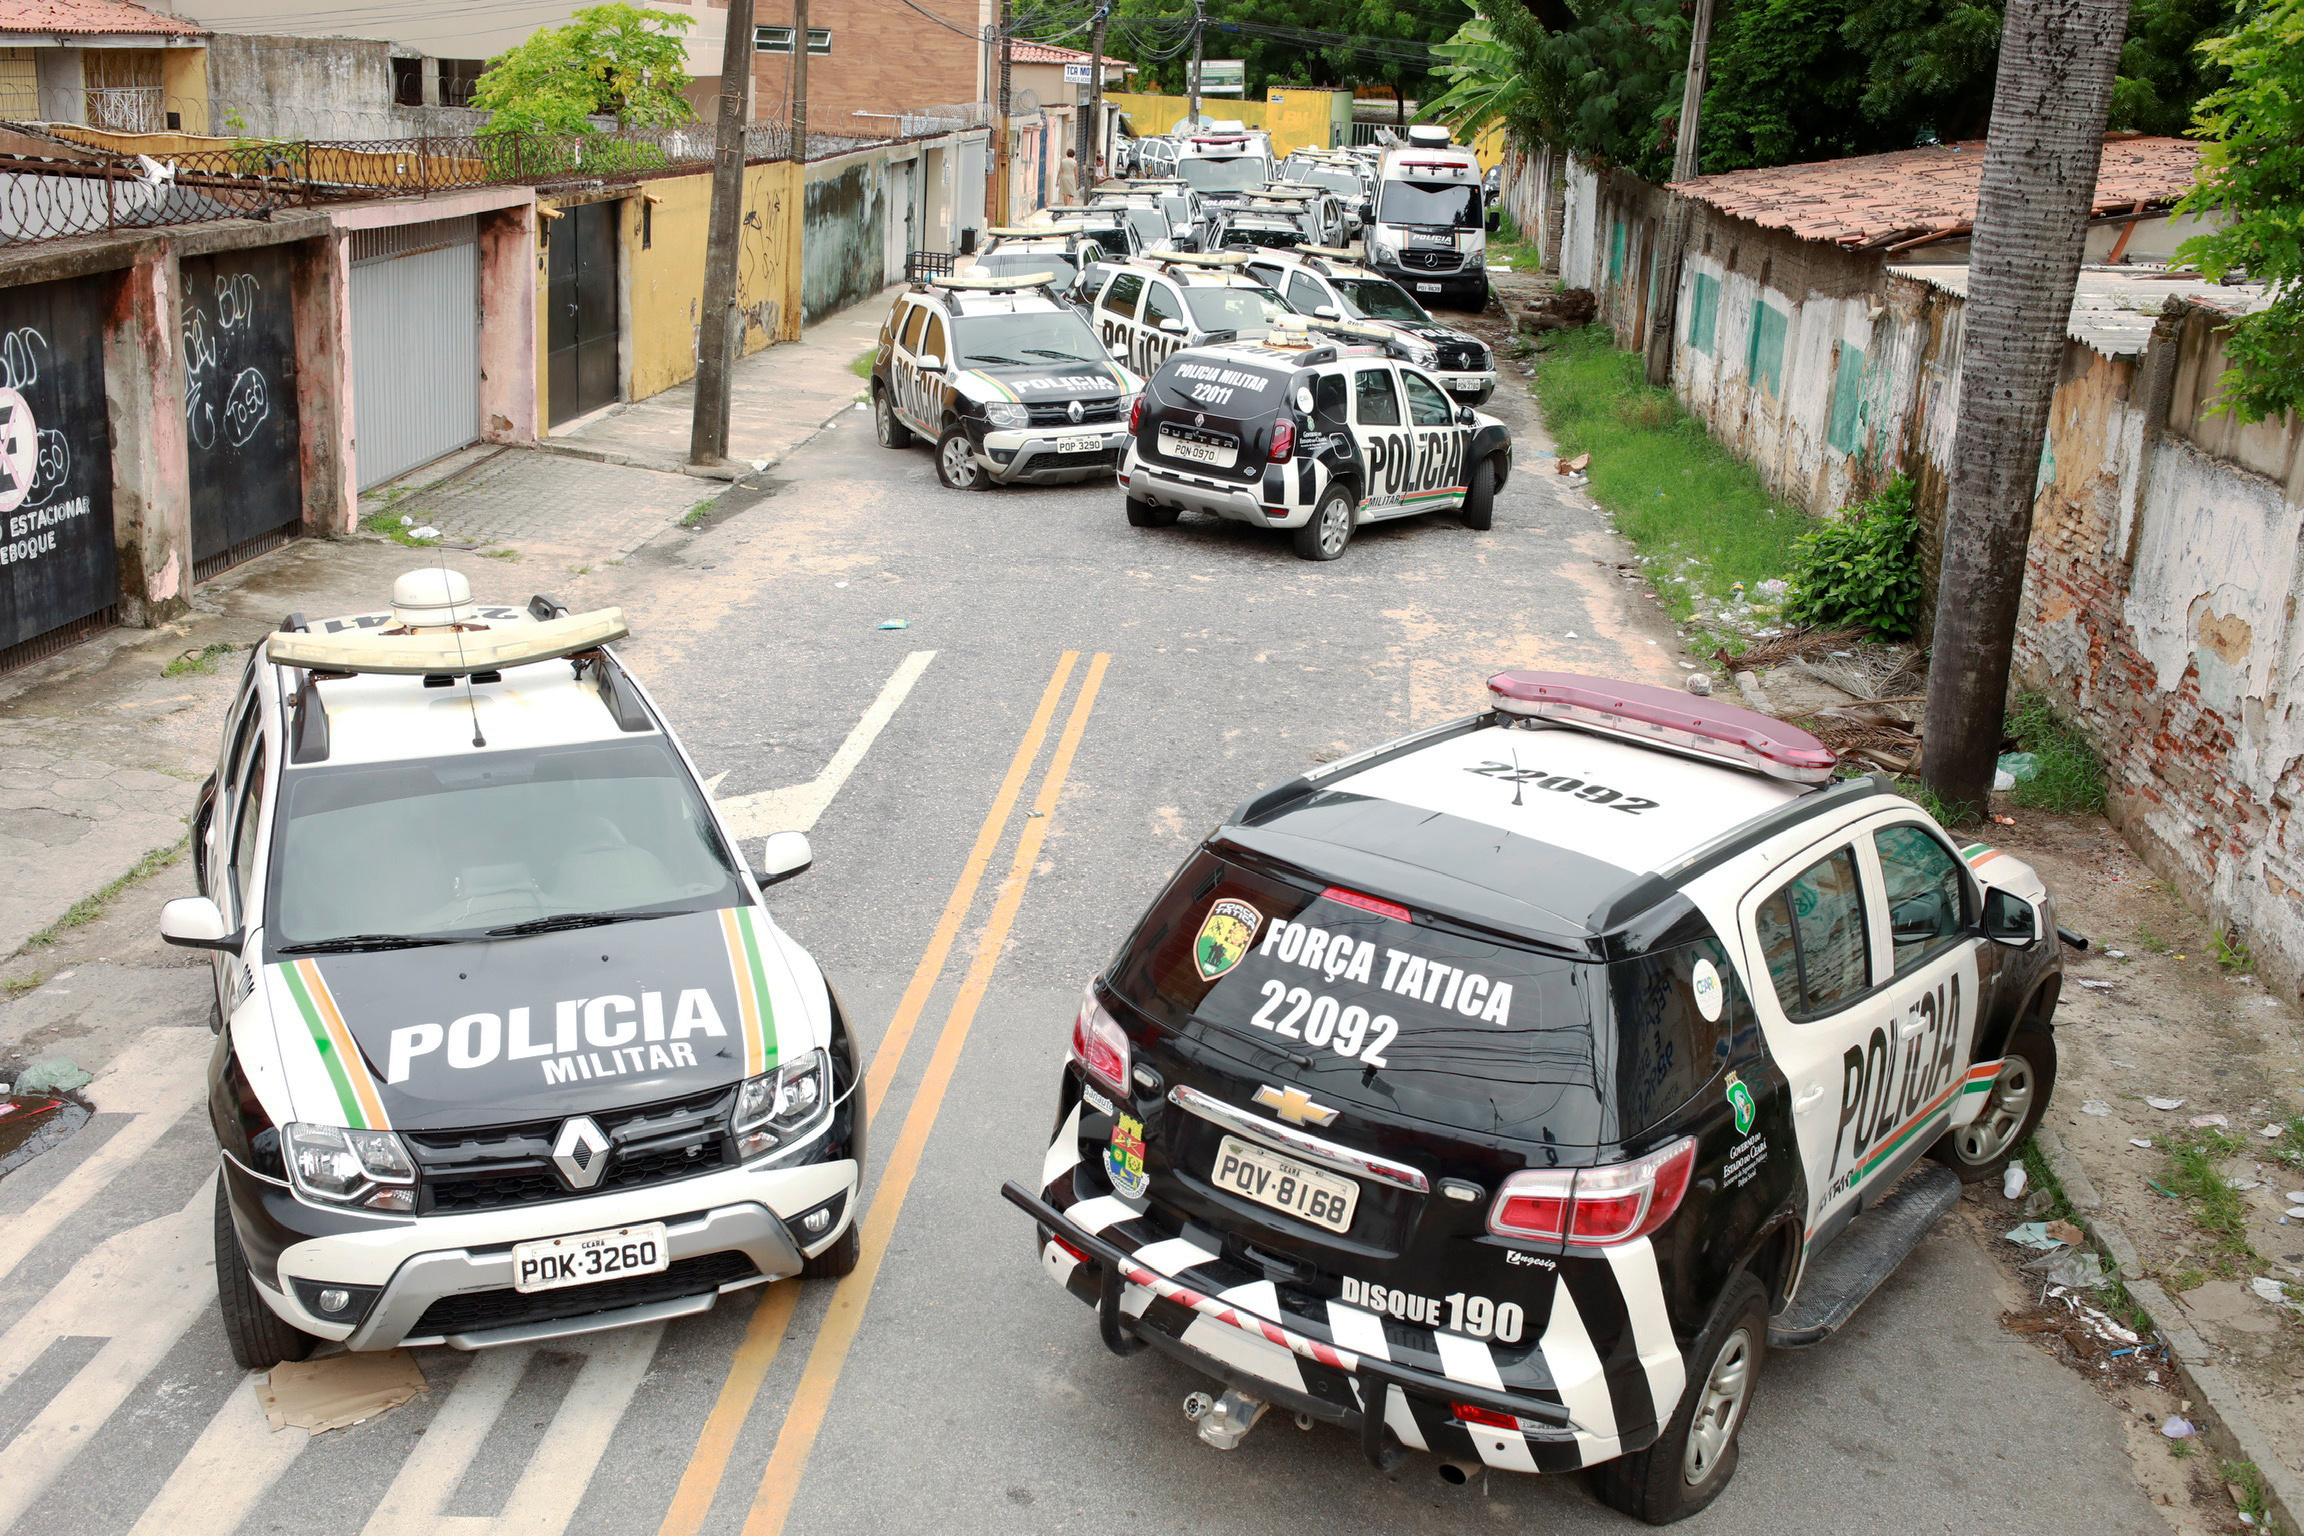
(1223,77)
(1079,74)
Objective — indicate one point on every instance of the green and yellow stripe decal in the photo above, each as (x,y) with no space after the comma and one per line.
(739,927)
(994,384)
(332,1040)
(1897,1139)
(1979,854)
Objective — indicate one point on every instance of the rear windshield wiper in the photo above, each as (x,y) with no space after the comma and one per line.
(353,942)
(1273,1046)
(573,920)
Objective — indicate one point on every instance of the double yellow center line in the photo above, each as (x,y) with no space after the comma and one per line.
(804,1419)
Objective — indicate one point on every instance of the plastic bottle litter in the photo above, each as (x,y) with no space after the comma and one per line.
(2012,1182)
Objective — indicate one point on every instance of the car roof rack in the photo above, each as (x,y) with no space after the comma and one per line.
(444,652)
(972,283)
(1225,259)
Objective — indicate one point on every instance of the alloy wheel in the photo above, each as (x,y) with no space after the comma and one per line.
(1988,1135)
(1725,1392)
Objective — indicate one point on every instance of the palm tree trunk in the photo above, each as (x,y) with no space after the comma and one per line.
(2049,108)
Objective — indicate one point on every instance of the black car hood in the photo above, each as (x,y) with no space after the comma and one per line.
(495,1032)
(1035,383)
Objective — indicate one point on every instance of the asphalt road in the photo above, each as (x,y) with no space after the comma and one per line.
(1098,697)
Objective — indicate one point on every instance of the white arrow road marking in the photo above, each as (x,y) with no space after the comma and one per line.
(142,1289)
(229,1469)
(795,808)
(156,1079)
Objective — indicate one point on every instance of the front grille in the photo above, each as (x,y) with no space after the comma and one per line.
(1090,411)
(511,1165)
(1463,357)
(1431,261)
(477,1311)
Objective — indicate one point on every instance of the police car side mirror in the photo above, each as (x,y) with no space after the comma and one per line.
(1173,325)
(1466,416)
(195,922)
(2009,920)
(782,856)
(1325,312)
(930,363)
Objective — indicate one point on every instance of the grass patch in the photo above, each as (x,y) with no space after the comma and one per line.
(2192,1175)
(699,512)
(1689,505)
(507,554)
(202,660)
(2246,1484)
(89,908)
(17,986)
(2232,954)
(388,524)
(1508,244)
(2071,776)
(1929,801)
(862,367)
(2150,942)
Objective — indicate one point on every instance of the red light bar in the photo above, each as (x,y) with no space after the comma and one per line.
(1640,712)
(1381,908)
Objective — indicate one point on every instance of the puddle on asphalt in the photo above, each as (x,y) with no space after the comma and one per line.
(33,1123)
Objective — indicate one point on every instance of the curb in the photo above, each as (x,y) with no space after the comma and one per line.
(726,470)
(2227,1420)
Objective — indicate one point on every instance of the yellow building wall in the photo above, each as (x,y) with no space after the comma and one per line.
(1488,148)
(1296,119)
(184,87)
(19,84)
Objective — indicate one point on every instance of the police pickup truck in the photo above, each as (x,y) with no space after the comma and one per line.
(1508,1091)
(1318,431)
(1007,381)
(1331,284)
(509,1047)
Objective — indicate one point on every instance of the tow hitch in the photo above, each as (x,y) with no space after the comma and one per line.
(1225,1422)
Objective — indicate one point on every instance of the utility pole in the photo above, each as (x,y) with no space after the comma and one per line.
(800,80)
(708,428)
(1199,23)
(1096,91)
(1664,314)
(1001,157)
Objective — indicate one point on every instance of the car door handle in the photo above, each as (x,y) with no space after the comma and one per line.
(1815,1092)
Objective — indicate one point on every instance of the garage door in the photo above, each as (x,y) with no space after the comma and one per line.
(243,444)
(415,345)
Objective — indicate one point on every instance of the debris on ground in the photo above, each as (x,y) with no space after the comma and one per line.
(337,1391)
(2160,1103)
(2178,1428)
(53,1074)
(1563,311)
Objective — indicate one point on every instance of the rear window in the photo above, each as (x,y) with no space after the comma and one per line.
(1221,385)
(1427,1018)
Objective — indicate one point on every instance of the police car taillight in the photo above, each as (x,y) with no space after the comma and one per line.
(1136,415)
(1595,1207)
(1100,1045)
(1684,723)
(1283,441)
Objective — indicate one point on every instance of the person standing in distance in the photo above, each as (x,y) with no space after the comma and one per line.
(1068,179)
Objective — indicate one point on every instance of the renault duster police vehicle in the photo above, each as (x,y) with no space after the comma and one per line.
(1316,431)
(1150,307)
(1058,255)
(1430,232)
(1508,1091)
(509,1047)
(1262,224)
(1007,381)
(1330,283)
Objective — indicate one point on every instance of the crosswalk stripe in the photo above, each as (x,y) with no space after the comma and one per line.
(156,1079)
(545,1498)
(142,1288)
(411,1506)
(229,1469)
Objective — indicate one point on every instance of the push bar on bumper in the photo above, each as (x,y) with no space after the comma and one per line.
(1119,1266)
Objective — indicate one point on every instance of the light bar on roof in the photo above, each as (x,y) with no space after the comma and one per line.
(445,652)
(1741,738)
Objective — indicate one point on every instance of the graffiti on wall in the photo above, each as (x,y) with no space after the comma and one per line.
(240,403)
(216,409)
(57,563)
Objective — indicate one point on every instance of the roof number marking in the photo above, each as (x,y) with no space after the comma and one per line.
(1561,784)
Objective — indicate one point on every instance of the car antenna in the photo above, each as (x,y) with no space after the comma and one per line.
(457,630)
(1519,785)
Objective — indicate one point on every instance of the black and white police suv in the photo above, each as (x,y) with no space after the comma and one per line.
(1330,283)
(509,1046)
(1150,307)
(1507,1091)
(1006,380)
(1316,431)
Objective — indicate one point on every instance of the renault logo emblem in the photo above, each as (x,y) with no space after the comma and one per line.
(1074,411)
(581,1153)
(1294,1106)
(1200,421)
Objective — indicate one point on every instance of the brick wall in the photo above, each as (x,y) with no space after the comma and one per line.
(884,57)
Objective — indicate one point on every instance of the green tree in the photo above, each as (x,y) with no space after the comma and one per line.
(2252,180)
(614,60)
(1485,86)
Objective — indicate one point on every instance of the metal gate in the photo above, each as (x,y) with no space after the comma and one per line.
(58,575)
(242,444)
(415,344)
(580,362)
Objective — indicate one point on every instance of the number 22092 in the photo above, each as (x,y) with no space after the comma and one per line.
(1348,1031)
(1562,784)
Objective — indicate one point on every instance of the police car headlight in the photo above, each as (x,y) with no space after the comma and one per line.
(1379,251)
(1006,413)
(1475,259)
(783,1108)
(369,1169)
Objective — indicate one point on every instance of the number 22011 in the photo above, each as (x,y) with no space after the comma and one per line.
(1348,1031)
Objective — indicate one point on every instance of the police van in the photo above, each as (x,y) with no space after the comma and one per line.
(1331,284)
(1225,166)
(1147,309)
(1508,1092)
(509,1046)
(1318,431)
(1430,233)
(1008,382)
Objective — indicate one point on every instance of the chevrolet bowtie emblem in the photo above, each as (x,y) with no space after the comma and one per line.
(1294,1106)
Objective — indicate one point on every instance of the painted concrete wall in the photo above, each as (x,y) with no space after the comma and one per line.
(845,235)
(280,84)
(664,282)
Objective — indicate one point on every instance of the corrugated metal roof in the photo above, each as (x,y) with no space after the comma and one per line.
(91,17)
(2114,307)
(1880,200)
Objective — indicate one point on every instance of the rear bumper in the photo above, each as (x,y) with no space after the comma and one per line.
(1178,488)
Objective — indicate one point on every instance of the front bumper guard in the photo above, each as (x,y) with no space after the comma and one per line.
(1112,1324)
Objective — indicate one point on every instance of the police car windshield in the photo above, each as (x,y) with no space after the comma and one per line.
(1444,204)
(1238,173)
(1341,182)
(1022,341)
(1018,263)
(1376,298)
(456,846)
(1250,311)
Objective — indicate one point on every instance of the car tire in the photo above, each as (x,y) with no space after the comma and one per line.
(260,1338)
(1330,527)
(1981,1149)
(891,432)
(956,464)
(1694,1456)
(837,1260)
(1143,514)
(1480,499)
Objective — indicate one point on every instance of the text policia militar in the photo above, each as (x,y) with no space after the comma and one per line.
(615,1025)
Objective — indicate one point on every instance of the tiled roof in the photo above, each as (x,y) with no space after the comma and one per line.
(1870,201)
(2113,307)
(91,16)
(1046,53)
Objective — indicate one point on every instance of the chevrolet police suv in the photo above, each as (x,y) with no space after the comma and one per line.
(1008,382)
(1331,284)
(1318,431)
(1508,1091)
(509,1046)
